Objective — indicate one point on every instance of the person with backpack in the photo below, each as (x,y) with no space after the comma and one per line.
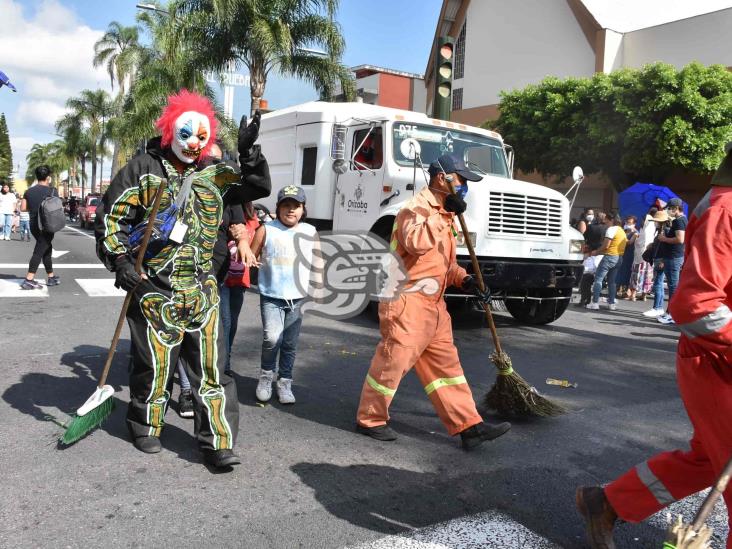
(33,201)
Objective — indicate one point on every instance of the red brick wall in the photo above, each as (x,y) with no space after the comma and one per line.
(395,91)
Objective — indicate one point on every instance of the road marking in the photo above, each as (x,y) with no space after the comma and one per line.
(10,287)
(80,232)
(55,266)
(491,529)
(100,287)
(55,254)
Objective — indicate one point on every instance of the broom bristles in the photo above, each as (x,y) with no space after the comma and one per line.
(80,426)
(512,396)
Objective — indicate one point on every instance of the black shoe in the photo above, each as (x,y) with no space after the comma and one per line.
(381,432)
(477,434)
(220,459)
(53,281)
(185,404)
(149,445)
(30,285)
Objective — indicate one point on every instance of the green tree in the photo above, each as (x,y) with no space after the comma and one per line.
(630,124)
(119,49)
(6,152)
(92,109)
(266,35)
(78,144)
(52,155)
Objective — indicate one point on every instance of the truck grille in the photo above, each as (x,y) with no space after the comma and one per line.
(519,214)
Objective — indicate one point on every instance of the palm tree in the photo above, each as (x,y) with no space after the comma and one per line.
(52,155)
(78,144)
(119,48)
(92,109)
(264,35)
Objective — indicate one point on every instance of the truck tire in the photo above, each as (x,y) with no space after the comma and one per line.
(383,228)
(539,312)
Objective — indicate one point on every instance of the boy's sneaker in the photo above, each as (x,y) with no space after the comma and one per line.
(284,391)
(612,307)
(53,281)
(185,404)
(30,285)
(593,306)
(264,387)
(665,319)
(653,313)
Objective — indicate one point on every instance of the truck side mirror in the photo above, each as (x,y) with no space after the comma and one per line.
(338,142)
(509,158)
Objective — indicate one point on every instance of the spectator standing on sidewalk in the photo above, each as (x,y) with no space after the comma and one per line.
(612,249)
(32,200)
(641,276)
(8,204)
(624,271)
(595,231)
(24,226)
(585,220)
(671,255)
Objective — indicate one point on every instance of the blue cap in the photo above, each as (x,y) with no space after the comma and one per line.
(291,191)
(452,163)
(674,202)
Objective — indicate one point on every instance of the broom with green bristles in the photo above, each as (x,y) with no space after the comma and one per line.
(100,405)
(511,395)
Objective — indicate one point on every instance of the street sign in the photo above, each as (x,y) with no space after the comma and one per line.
(228,79)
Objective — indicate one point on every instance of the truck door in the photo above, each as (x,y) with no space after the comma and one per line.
(359,189)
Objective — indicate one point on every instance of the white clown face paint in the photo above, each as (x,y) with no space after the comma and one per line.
(190,135)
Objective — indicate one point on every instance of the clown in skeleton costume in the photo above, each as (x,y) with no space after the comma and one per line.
(175,310)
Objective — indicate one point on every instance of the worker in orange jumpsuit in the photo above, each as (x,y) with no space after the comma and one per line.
(701,309)
(415,328)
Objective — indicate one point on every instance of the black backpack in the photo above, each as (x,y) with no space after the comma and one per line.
(51,217)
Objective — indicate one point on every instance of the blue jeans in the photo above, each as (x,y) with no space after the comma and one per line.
(25,229)
(7,225)
(232,300)
(671,271)
(608,267)
(281,321)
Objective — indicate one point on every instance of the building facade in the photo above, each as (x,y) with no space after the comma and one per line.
(389,88)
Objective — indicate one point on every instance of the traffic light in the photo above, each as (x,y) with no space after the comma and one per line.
(442,103)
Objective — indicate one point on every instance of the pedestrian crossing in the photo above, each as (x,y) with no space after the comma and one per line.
(92,287)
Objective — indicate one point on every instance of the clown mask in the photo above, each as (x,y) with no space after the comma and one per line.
(190,135)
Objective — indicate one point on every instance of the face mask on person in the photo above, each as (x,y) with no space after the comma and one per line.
(190,137)
(590,218)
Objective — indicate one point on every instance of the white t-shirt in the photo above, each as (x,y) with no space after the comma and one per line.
(8,203)
(612,231)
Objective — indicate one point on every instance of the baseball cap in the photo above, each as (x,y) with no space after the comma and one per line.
(291,191)
(674,202)
(452,163)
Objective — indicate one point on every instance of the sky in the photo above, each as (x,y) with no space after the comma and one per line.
(46,48)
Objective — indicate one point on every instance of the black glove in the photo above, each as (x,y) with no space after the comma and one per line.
(455,204)
(470,286)
(125,276)
(248,133)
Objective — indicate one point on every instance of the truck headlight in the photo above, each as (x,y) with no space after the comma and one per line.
(461,239)
(575,246)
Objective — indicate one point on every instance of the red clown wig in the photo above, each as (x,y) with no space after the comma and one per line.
(179,103)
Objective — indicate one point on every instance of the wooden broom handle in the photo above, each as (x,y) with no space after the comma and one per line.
(717,490)
(128,297)
(478,274)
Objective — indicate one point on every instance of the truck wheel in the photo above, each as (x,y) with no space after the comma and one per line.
(383,228)
(538,312)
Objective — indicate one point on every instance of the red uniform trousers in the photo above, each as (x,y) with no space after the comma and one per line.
(705,383)
(416,333)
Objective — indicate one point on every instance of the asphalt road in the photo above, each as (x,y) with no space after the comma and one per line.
(307,479)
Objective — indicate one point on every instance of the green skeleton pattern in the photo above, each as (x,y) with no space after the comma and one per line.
(188,300)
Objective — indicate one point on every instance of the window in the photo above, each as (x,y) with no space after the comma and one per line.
(368,149)
(459,64)
(309,162)
(457,99)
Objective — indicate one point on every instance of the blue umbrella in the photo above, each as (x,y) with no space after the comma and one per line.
(639,198)
(5,81)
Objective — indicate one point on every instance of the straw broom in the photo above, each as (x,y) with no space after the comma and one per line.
(511,395)
(100,405)
(698,534)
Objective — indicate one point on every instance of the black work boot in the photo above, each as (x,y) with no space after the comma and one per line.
(474,436)
(593,505)
(380,432)
(220,459)
(149,445)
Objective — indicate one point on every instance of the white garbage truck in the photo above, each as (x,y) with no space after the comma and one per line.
(360,163)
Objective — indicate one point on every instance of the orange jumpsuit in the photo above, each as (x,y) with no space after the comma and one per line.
(415,328)
(701,309)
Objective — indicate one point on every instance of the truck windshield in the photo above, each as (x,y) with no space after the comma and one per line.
(484,155)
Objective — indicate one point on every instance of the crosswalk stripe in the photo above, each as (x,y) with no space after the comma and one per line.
(100,287)
(10,287)
(490,529)
(55,266)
